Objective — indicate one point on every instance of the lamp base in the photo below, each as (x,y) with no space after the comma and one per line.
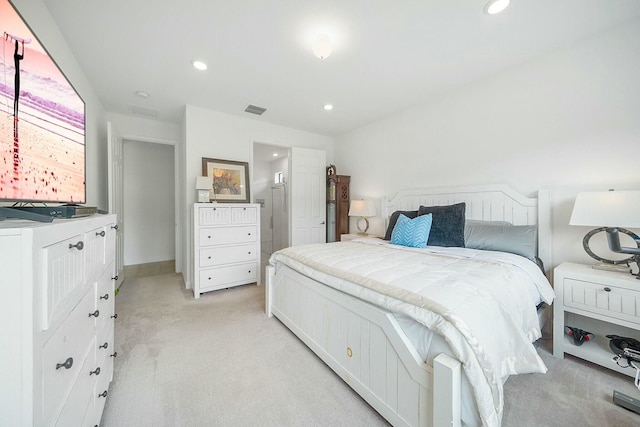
(366,227)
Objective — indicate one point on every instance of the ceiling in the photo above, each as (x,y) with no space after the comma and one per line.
(387,55)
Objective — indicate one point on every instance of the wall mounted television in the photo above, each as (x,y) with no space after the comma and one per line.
(42,123)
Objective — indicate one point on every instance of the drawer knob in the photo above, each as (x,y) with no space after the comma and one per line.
(103,394)
(115,277)
(209,257)
(248,234)
(115,227)
(79,246)
(115,316)
(249,271)
(115,354)
(95,313)
(66,365)
(96,372)
(607,289)
(101,234)
(105,296)
(105,345)
(249,252)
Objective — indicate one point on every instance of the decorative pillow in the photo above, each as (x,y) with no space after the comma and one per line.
(477,227)
(394,217)
(516,239)
(411,232)
(447,228)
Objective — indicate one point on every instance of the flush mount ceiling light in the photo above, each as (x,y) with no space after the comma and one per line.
(495,6)
(322,46)
(328,107)
(199,65)
(142,94)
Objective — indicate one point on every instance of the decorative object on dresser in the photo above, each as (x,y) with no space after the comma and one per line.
(226,246)
(230,180)
(610,210)
(337,204)
(204,186)
(57,353)
(364,209)
(601,302)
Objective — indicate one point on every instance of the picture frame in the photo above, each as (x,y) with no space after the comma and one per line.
(230,180)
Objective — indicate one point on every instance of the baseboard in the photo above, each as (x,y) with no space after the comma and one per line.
(149,269)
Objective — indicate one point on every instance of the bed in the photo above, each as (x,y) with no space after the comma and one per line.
(411,329)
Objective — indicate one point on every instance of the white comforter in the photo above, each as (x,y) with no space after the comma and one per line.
(483,303)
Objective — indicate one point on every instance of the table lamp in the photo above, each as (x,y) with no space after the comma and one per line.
(364,209)
(609,211)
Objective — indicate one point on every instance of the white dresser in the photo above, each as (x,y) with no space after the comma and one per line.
(226,245)
(57,317)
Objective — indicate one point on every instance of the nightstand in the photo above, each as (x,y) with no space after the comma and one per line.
(350,237)
(601,302)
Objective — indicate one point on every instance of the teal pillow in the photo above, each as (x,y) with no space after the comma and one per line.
(412,232)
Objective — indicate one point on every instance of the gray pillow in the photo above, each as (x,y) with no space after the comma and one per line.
(447,228)
(472,225)
(516,239)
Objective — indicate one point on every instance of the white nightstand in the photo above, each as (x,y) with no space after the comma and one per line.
(601,302)
(349,237)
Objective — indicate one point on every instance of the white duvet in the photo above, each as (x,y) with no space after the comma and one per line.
(482,302)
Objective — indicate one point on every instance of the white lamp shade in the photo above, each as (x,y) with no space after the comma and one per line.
(204,183)
(364,208)
(607,209)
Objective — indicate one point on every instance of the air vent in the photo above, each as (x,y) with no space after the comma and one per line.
(142,111)
(255,110)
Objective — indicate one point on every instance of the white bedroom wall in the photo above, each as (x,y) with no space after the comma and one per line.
(42,24)
(222,136)
(567,121)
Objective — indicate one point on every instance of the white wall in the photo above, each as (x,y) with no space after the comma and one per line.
(568,121)
(222,136)
(149,202)
(44,27)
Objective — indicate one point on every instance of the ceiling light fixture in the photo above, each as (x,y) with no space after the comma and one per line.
(328,107)
(322,46)
(199,65)
(275,154)
(142,94)
(495,6)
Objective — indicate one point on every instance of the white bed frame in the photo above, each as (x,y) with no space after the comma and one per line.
(365,345)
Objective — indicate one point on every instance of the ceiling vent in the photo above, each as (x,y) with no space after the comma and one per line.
(142,111)
(255,110)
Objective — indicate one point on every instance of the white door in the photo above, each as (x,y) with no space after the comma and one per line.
(115,190)
(308,196)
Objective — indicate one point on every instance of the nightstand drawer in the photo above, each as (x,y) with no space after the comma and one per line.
(618,303)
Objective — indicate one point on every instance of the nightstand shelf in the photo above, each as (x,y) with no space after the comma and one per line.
(601,302)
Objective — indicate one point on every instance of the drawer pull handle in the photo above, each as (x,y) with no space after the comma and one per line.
(115,316)
(101,234)
(79,246)
(115,277)
(95,313)
(249,271)
(249,252)
(209,257)
(248,234)
(105,296)
(115,354)
(607,289)
(103,394)
(115,227)
(105,345)
(66,365)
(97,372)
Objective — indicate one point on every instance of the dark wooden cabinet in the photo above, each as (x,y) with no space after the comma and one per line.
(337,206)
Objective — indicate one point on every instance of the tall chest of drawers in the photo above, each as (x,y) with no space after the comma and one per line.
(57,317)
(226,245)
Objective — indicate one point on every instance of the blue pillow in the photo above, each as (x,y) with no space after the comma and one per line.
(412,232)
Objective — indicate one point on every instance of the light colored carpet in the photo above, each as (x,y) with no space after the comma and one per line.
(219,361)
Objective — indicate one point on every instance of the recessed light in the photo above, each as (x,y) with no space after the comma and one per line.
(275,154)
(199,65)
(495,6)
(142,94)
(328,107)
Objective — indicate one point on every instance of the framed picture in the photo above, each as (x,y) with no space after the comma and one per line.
(230,180)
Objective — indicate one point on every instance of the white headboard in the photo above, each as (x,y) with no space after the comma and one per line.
(489,203)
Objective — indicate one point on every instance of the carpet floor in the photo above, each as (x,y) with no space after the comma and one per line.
(219,361)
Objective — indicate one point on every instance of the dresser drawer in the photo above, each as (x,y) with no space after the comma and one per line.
(227,235)
(618,303)
(66,273)
(248,215)
(69,341)
(95,245)
(105,298)
(218,277)
(214,216)
(227,254)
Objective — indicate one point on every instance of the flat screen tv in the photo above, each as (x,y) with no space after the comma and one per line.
(42,128)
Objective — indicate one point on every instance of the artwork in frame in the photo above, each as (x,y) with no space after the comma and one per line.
(230,180)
